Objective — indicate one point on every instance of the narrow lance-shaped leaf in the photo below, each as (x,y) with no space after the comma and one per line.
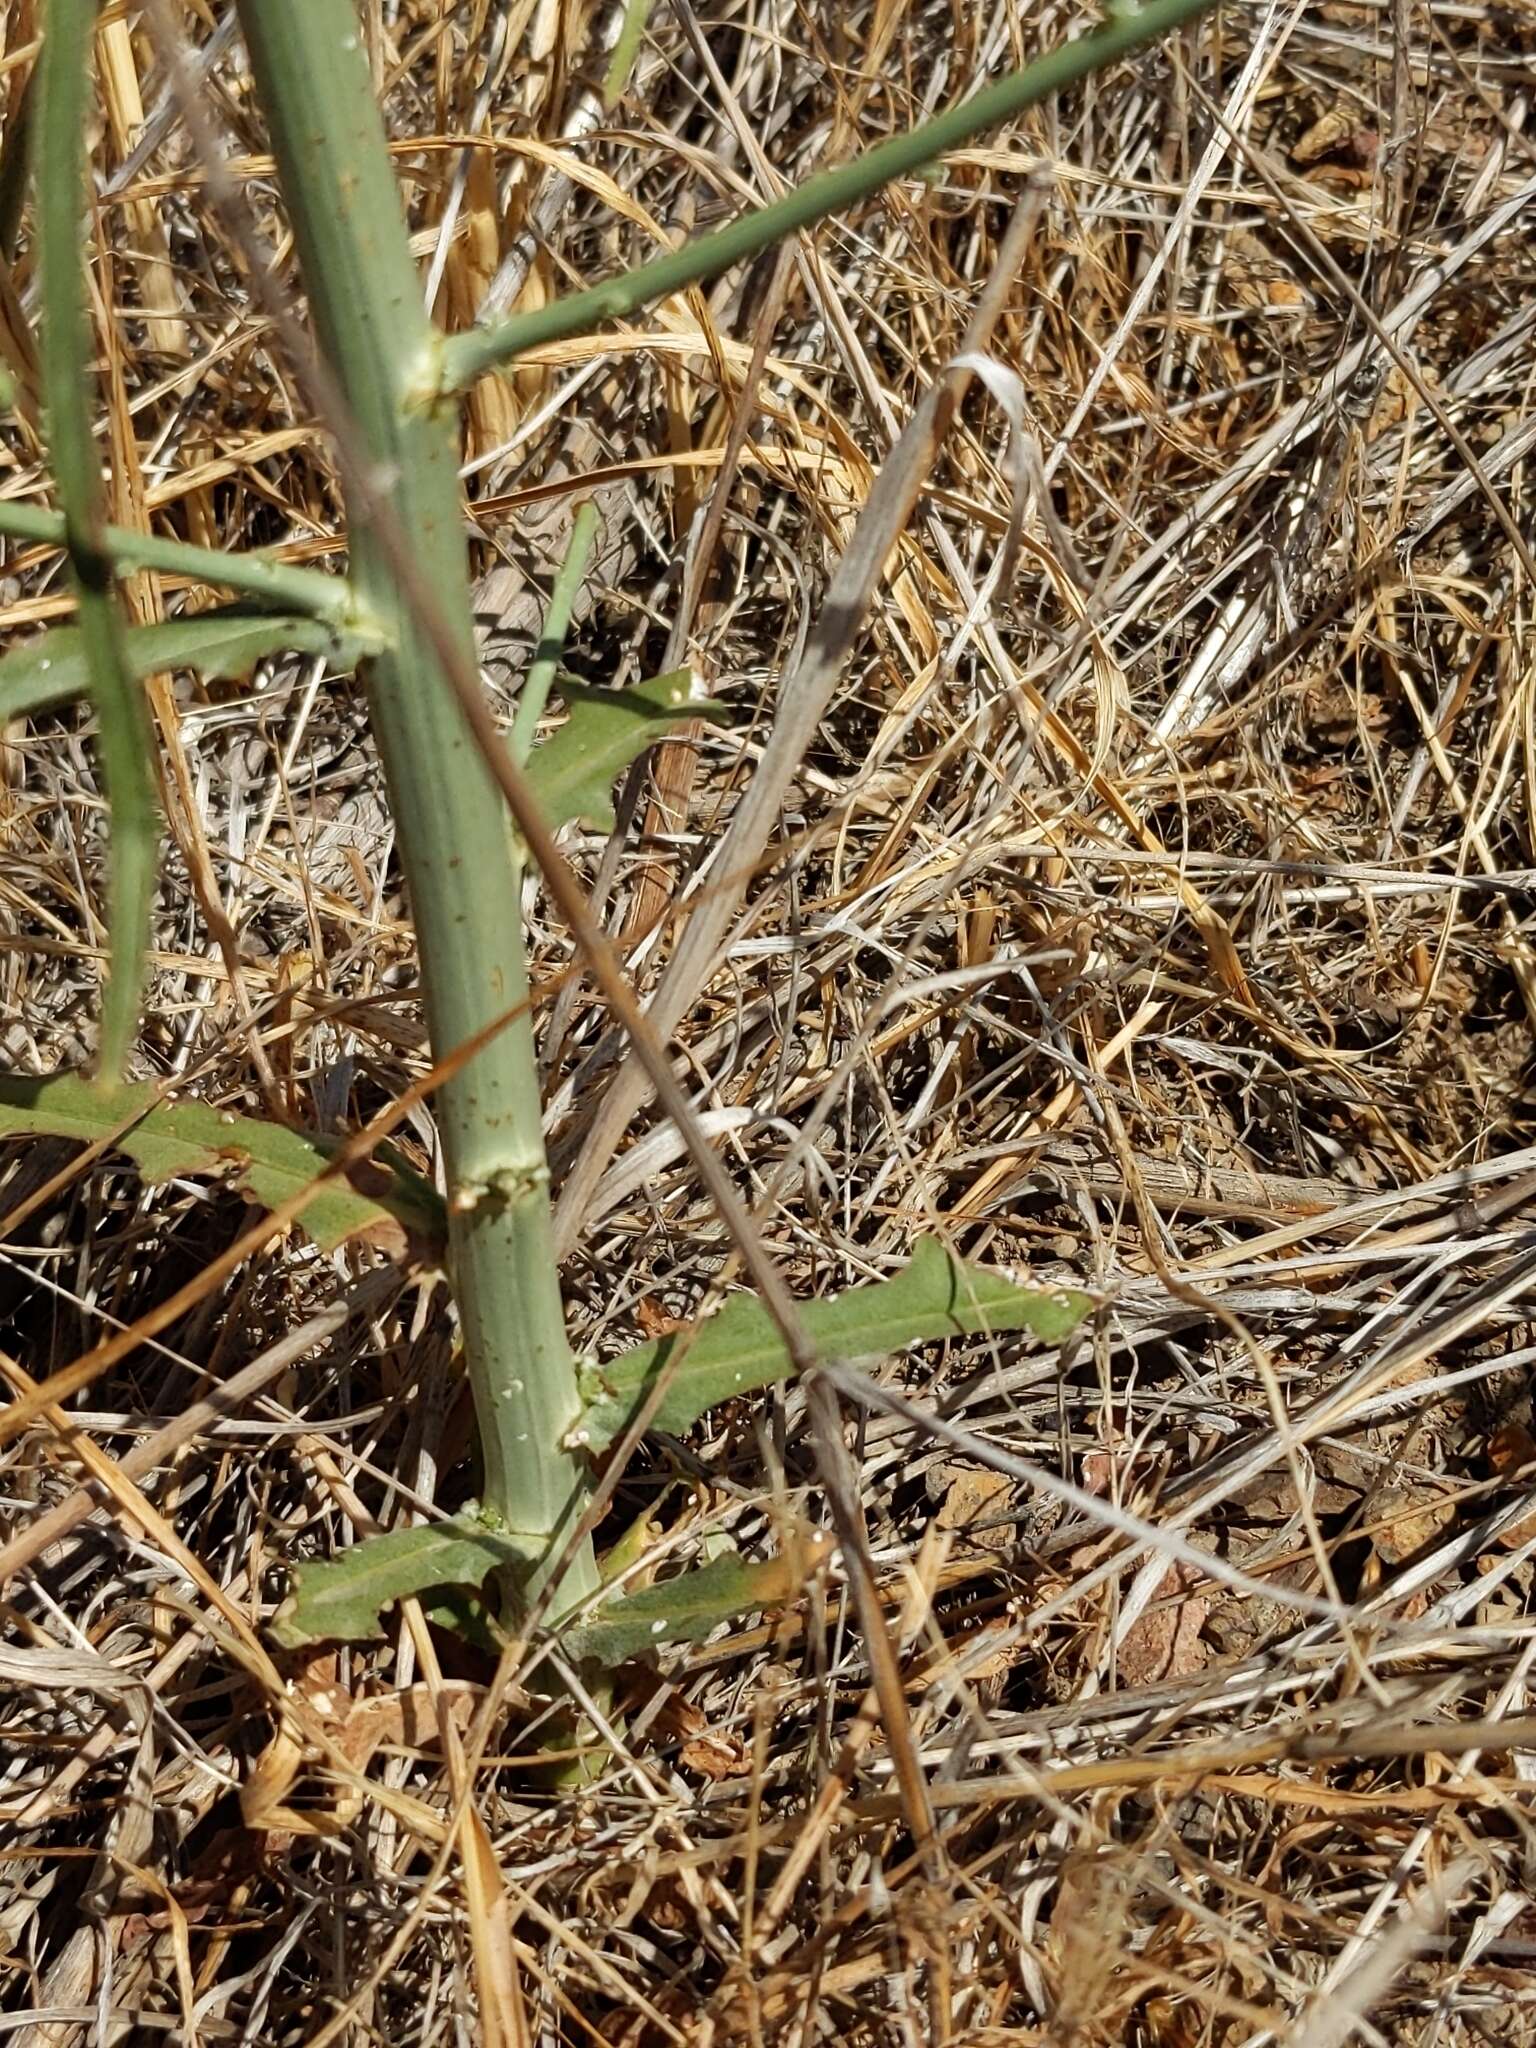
(222,646)
(169,1138)
(340,1599)
(936,1295)
(572,773)
(688,1608)
(534,694)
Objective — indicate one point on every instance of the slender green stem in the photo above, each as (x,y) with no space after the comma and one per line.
(625,50)
(286,584)
(466,356)
(59,163)
(462,869)
(534,694)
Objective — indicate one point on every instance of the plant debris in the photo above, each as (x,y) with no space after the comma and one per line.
(1162,937)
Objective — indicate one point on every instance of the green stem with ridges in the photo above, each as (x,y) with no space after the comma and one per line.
(467,356)
(59,164)
(462,871)
(625,51)
(285,584)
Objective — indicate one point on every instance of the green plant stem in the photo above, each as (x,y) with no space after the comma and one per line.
(59,165)
(625,51)
(467,356)
(287,584)
(462,869)
(534,694)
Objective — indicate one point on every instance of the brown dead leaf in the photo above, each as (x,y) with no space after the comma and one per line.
(716,1757)
(1330,131)
(358,1727)
(1166,1642)
(977,1495)
(1098,1473)
(1455,131)
(410,1719)
(503,2017)
(654,1320)
(1261,281)
(1337,177)
(667,1907)
(712,1755)
(1406,1520)
(1512,1452)
(1511,1449)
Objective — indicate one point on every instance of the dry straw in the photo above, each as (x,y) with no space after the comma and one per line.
(1148,920)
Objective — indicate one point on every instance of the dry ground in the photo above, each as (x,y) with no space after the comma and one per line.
(1153,916)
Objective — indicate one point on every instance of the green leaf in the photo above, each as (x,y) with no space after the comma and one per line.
(534,694)
(681,1610)
(461,1611)
(572,774)
(169,1138)
(221,645)
(340,1599)
(936,1295)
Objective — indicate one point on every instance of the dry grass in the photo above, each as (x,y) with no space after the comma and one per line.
(1164,930)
